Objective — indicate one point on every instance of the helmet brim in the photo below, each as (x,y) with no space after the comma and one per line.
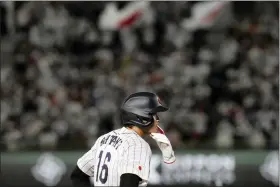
(160,109)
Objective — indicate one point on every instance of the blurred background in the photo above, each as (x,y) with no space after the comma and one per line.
(67,66)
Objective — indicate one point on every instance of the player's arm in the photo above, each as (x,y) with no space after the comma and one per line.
(79,178)
(130,180)
(136,164)
(84,169)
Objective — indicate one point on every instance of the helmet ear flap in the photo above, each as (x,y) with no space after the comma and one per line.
(144,121)
(128,118)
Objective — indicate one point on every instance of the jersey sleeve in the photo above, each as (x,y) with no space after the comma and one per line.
(136,159)
(86,162)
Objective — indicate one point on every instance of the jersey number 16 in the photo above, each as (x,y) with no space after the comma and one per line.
(104,169)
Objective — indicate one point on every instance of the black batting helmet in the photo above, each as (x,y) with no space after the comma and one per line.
(139,108)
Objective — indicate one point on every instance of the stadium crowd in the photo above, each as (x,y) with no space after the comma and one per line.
(64,80)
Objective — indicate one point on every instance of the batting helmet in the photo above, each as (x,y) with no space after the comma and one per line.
(138,109)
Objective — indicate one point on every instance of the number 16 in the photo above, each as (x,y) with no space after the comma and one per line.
(104,168)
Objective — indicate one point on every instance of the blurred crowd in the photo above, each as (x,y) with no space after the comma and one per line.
(63,78)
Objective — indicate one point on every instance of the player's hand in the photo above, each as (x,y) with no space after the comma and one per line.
(165,146)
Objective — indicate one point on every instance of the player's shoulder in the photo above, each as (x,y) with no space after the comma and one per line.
(132,139)
(99,139)
(129,138)
(113,132)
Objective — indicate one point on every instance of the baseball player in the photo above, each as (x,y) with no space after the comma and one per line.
(122,157)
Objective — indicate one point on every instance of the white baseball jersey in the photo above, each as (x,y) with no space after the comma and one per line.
(115,153)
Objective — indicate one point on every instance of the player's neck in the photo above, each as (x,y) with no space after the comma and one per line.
(137,130)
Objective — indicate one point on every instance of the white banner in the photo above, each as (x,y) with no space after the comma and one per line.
(189,168)
(112,18)
(270,168)
(216,14)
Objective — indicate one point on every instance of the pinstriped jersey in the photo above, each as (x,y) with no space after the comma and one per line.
(115,153)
